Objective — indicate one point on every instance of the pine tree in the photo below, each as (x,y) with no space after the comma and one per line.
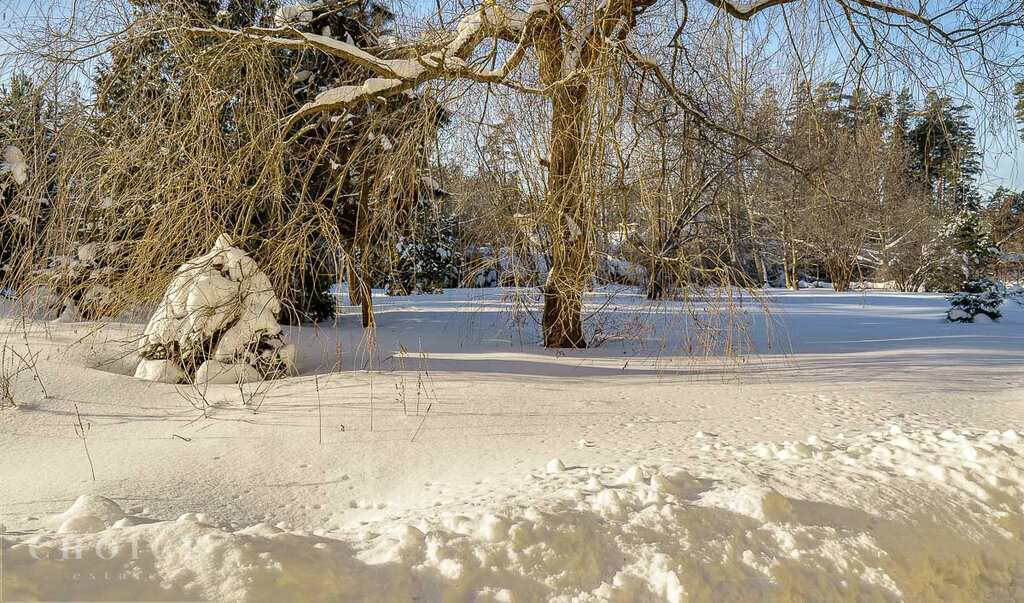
(972,251)
(945,152)
(1005,211)
(26,147)
(980,296)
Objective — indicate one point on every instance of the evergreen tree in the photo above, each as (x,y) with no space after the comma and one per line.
(428,259)
(1005,211)
(336,175)
(980,296)
(903,110)
(26,149)
(945,153)
(973,252)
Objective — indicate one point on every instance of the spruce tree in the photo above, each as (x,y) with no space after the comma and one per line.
(428,257)
(972,251)
(327,163)
(945,152)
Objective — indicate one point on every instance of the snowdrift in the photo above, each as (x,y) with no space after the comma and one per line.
(811,520)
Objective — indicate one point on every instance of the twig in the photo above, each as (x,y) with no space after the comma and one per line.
(418,427)
(319,410)
(80,429)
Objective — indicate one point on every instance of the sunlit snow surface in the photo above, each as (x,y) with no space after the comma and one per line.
(879,459)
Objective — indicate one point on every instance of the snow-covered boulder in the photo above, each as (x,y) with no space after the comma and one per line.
(217,323)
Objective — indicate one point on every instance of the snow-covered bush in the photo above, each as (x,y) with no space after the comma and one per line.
(217,323)
(504,266)
(981,296)
(613,269)
(1015,293)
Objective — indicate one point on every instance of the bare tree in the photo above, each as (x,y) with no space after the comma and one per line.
(571,42)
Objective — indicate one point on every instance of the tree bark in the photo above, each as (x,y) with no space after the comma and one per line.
(839,270)
(569,218)
(353,283)
(360,276)
(562,320)
(656,284)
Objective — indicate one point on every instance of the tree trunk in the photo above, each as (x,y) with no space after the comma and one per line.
(360,274)
(656,284)
(759,267)
(568,216)
(839,270)
(563,315)
(365,291)
(367,312)
(353,283)
(789,256)
(569,222)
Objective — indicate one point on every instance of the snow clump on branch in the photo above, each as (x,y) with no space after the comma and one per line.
(299,13)
(14,162)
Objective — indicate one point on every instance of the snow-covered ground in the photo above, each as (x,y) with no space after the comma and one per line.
(861,449)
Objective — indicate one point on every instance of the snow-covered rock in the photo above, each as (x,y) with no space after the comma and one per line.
(215,371)
(164,371)
(217,323)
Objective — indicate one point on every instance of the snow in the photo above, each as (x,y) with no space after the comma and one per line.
(399,75)
(880,459)
(343,95)
(299,13)
(219,312)
(14,163)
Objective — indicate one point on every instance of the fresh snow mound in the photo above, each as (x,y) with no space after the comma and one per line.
(89,514)
(217,323)
(555,466)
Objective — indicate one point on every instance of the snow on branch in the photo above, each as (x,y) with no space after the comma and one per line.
(447,61)
(436,60)
(357,56)
(746,10)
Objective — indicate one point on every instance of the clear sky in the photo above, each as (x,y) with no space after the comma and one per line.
(1004,151)
(1004,167)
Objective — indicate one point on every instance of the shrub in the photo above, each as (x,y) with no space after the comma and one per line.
(980,296)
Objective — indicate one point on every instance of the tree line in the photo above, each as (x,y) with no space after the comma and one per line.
(334,145)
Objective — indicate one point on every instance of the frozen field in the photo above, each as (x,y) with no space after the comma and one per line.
(863,449)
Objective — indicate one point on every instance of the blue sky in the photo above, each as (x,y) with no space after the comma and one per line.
(1003,166)
(1004,151)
